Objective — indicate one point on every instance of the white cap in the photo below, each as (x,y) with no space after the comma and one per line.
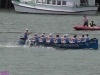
(26,29)
(35,33)
(66,35)
(42,34)
(50,34)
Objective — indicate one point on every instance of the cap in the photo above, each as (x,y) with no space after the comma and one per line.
(42,34)
(50,34)
(26,29)
(66,35)
(35,33)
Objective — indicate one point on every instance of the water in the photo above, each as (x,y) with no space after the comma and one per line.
(24,60)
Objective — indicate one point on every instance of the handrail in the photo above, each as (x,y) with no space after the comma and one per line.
(73,5)
(85,5)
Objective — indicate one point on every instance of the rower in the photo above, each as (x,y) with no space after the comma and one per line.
(36,38)
(51,38)
(82,38)
(66,39)
(43,38)
(87,38)
(75,39)
(58,39)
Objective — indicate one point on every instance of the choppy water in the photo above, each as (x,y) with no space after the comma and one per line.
(24,60)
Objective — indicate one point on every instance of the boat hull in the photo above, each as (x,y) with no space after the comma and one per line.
(77,27)
(21,42)
(91,44)
(48,9)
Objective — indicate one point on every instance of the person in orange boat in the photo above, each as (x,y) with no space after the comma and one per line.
(85,21)
(92,24)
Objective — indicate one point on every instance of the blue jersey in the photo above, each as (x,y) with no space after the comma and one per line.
(66,40)
(75,40)
(44,39)
(59,40)
(82,40)
(87,38)
(25,36)
(51,40)
(36,39)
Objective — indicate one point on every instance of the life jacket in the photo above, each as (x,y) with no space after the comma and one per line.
(91,23)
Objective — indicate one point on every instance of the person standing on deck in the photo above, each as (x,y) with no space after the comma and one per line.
(85,21)
(25,37)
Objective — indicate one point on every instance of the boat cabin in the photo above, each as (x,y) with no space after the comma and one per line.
(71,3)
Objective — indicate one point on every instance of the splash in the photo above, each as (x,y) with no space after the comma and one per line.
(14,45)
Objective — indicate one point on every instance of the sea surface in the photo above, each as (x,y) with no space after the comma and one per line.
(24,60)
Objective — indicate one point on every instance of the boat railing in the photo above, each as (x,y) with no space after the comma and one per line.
(85,5)
(30,2)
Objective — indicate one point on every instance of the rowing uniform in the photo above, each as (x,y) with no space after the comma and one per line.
(66,40)
(87,38)
(82,40)
(51,40)
(36,39)
(44,39)
(75,40)
(58,40)
(25,36)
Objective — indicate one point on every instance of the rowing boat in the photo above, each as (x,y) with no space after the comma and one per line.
(91,44)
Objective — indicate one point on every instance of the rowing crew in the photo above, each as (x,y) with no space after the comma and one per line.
(57,39)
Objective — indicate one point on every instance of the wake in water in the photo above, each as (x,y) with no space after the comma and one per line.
(12,45)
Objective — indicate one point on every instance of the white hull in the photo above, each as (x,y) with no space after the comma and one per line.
(43,9)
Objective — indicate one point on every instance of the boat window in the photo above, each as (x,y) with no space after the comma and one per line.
(54,2)
(44,1)
(38,1)
(63,2)
(84,3)
(58,2)
(48,1)
(87,2)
